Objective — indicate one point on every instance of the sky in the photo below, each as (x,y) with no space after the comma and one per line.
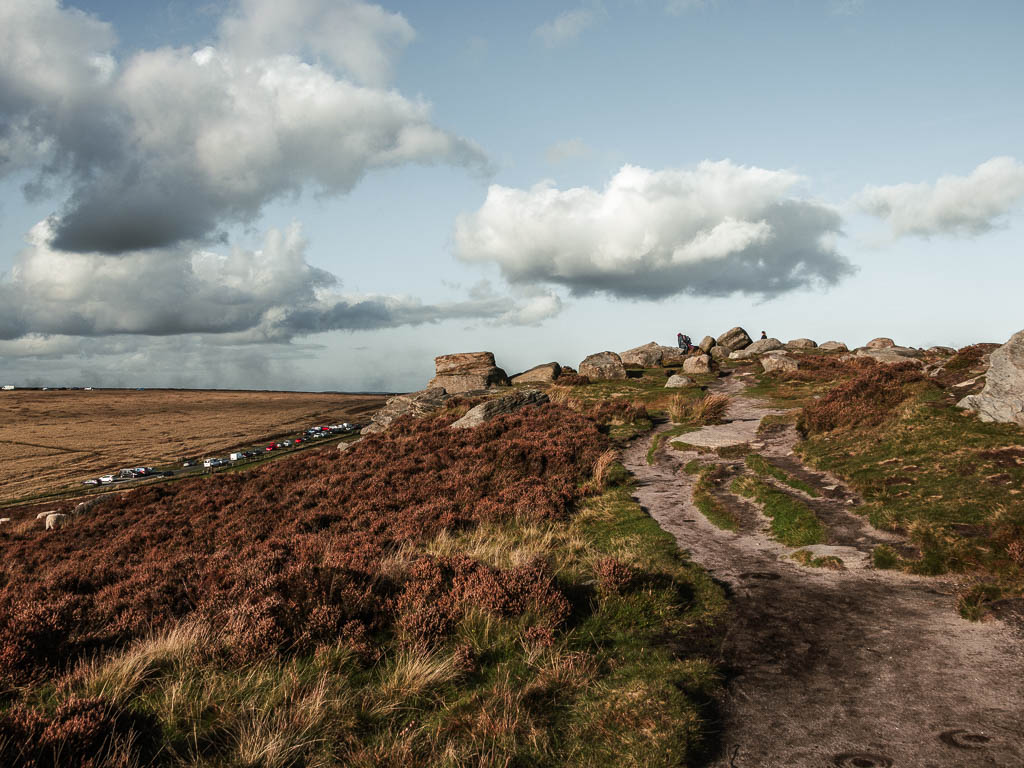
(326,194)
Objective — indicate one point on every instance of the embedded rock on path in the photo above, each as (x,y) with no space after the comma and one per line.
(858,667)
(1002,399)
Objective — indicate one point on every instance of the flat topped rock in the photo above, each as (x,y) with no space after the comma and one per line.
(603,365)
(763,345)
(467,372)
(882,342)
(464,362)
(833,346)
(801,344)
(1002,399)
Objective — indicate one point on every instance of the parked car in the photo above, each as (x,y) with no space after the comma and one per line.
(272,446)
(91,481)
(107,479)
(298,441)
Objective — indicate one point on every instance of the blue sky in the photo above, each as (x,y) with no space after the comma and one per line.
(329,195)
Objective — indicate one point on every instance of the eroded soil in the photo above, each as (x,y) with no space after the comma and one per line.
(858,667)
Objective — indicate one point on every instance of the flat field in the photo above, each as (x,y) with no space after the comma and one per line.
(56,439)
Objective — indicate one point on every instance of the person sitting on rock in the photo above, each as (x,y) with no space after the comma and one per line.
(763,335)
(684,342)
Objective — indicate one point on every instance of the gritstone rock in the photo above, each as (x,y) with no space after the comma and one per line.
(497,406)
(800,344)
(890,354)
(676,381)
(734,338)
(880,343)
(719,352)
(697,364)
(834,346)
(778,362)
(1002,399)
(547,372)
(646,356)
(603,365)
(763,345)
(941,351)
(741,354)
(706,344)
(467,372)
(415,403)
(671,357)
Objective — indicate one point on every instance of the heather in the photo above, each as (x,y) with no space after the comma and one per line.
(430,596)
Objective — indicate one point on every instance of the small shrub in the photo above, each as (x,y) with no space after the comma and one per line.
(884,557)
(973,602)
(613,576)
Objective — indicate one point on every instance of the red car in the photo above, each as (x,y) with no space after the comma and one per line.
(297,440)
(272,446)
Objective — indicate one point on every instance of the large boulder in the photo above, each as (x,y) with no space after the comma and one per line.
(719,353)
(734,338)
(778,362)
(761,346)
(497,406)
(890,355)
(881,342)
(677,381)
(833,346)
(706,344)
(697,364)
(1002,399)
(545,373)
(671,357)
(646,356)
(603,365)
(416,404)
(801,344)
(467,372)
(741,354)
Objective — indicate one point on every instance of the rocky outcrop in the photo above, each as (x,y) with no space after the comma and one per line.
(603,365)
(545,373)
(881,342)
(646,356)
(890,354)
(734,338)
(1002,399)
(697,364)
(741,354)
(416,404)
(778,362)
(678,381)
(718,352)
(763,345)
(795,344)
(467,372)
(706,344)
(497,406)
(941,351)
(672,356)
(833,346)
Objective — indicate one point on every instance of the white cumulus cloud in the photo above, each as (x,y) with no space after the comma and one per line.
(565,26)
(953,205)
(714,230)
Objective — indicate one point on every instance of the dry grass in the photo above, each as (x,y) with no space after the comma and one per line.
(49,440)
(709,409)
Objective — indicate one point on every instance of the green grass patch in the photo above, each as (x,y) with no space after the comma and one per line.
(793,522)
(765,468)
(706,501)
(807,558)
(885,557)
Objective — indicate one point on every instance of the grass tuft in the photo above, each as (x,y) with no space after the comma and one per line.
(792,522)
(764,468)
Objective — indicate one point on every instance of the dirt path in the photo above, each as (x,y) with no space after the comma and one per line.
(856,668)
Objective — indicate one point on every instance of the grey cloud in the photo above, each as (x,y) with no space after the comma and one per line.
(714,230)
(172,143)
(954,205)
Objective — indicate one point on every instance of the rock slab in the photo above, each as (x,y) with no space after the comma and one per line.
(801,344)
(834,346)
(881,342)
(603,365)
(416,404)
(697,364)
(678,381)
(467,372)
(761,346)
(1002,399)
(498,406)
(545,373)
(890,355)
(778,362)
(734,338)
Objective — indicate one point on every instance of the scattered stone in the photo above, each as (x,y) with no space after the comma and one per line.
(497,406)
(344,445)
(801,344)
(546,373)
(416,404)
(718,352)
(678,381)
(467,372)
(941,351)
(734,338)
(697,364)
(778,362)
(763,345)
(833,346)
(55,520)
(1002,399)
(880,343)
(706,344)
(603,365)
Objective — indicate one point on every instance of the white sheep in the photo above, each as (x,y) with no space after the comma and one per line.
(56,520)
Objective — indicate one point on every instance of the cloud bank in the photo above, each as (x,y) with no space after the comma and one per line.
(714,230)
(953,205)
(173,143)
